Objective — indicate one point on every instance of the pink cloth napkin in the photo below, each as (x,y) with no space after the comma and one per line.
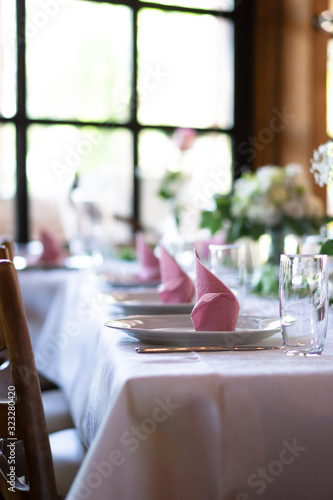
(149,263)
(176,286)
(217,308)
(51,250)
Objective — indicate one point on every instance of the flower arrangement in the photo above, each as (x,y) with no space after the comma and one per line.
(270,198)
(322,164)
(322,170)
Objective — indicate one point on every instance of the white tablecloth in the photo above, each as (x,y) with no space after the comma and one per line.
(208,426)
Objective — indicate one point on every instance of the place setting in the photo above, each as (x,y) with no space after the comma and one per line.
(214,319)
(178,330)
(173,295)
(144,273)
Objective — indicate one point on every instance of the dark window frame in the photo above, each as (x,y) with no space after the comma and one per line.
(242,16)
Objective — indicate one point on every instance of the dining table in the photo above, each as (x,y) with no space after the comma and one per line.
(220,425)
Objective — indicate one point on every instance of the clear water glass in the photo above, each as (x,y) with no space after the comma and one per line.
(303,295)
(228,263)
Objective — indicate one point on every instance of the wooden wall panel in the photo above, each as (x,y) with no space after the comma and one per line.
(266,87)
(319,58)
(290,82)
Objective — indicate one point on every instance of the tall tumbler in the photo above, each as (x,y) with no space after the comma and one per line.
(303,294)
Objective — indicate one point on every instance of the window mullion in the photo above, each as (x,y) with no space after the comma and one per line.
(243,68)
(134,119)
(22,206)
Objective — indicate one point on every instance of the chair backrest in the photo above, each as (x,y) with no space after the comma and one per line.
(4,252)
(9,244)
(21,410)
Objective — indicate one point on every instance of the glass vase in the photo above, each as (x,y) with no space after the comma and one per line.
(277,244)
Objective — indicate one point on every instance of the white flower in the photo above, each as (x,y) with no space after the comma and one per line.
(245,187)
(279,194)
(296,173)
(265,214)
(268,175)
(294,169)
(295,208)
(322,164)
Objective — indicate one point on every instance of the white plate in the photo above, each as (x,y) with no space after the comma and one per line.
(127,281)
(178,330)
(72,263)
(144,303)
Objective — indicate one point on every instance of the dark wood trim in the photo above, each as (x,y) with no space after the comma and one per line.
(22,204)
(243,88)
(268,22)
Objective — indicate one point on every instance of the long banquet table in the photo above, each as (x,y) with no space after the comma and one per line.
(184,426)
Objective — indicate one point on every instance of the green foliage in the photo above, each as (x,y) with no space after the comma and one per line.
(327,247)
(300,227)
(242,227)
(170,184)
(211,220)
(222,217)
(127,253)
(265,280)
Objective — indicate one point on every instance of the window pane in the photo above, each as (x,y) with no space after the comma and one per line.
(7,58)
(226,5)
(7,179)
(185,79)
(205,161)
(102,160)
(79,61)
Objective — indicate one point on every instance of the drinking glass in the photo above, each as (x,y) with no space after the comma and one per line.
(228,263)
(303,294)
(182,249)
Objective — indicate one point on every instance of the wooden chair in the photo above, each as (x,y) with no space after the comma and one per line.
(24,439)
(8,243)
(4,254)
(55,405)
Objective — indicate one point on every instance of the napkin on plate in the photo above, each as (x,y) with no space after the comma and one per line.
(149,263)
(217,308)
(176,286)
(52,253)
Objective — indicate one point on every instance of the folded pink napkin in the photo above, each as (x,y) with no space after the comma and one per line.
(149,263)
(52,253)
(217,308)
(176,286)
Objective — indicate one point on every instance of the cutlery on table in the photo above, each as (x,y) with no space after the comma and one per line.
(152,350)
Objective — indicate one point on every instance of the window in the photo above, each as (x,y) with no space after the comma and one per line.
(96,95)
